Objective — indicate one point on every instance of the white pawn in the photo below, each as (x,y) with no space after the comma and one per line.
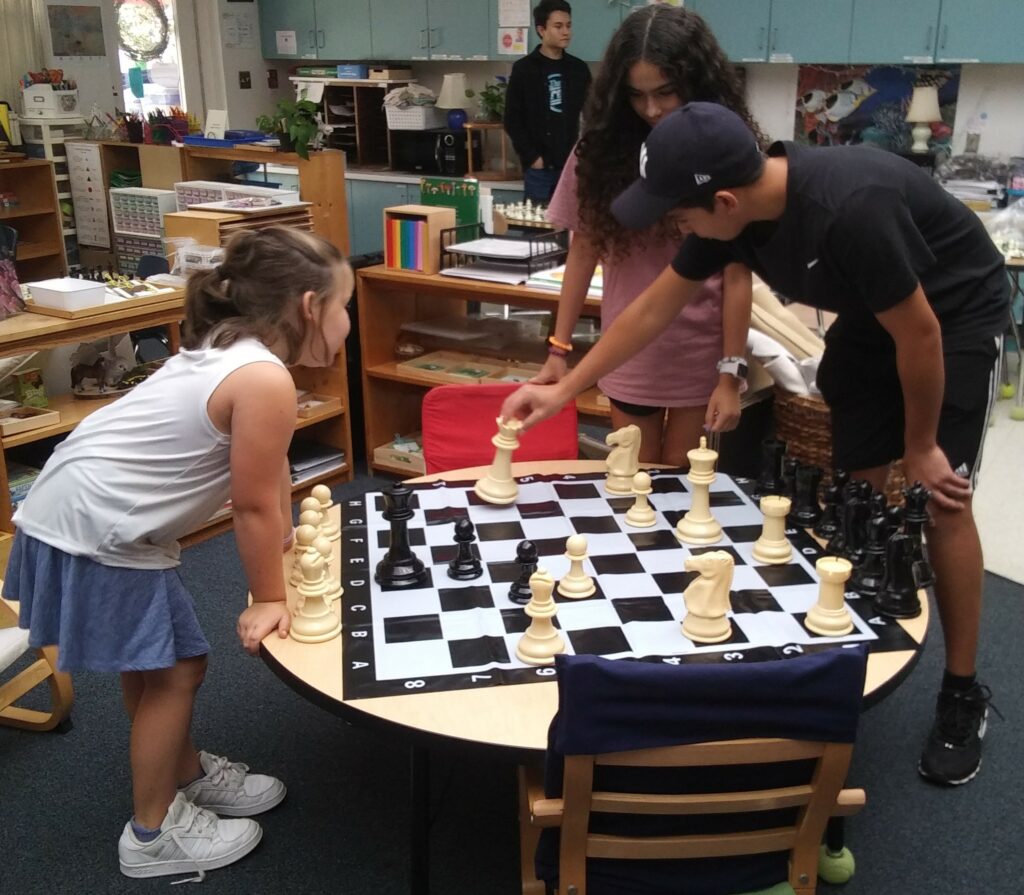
(334,589)
(829,617)
(576,584)
(304,536)
(314,622)
(310,513)
(772,547)
(541,642)
(640,515)
(328,527)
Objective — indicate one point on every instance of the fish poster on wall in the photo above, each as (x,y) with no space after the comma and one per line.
(868,104)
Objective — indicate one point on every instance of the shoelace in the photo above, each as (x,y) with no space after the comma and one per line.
(198,819)
(961,715)
(232,772)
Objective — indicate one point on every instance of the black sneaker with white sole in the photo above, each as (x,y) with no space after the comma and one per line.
(952,754)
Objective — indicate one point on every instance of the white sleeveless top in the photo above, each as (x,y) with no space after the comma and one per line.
(143,471)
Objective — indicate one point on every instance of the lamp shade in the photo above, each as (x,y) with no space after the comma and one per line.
(924,105)
(453,91)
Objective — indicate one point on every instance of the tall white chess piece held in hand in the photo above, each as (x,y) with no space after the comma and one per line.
(498,486)
(624,459)
(698,526)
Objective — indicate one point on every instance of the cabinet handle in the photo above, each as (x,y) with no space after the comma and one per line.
(945,34)
(321,39)
(312,39)
(423,39)
(775,38)
(760,37)
(928,38)
(434,43)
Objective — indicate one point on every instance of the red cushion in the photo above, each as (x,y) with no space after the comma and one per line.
(459,422)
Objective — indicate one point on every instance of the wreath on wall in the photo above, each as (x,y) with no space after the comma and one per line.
(142,29)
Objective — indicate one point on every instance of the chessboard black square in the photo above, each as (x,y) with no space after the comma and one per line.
(674,582)
(672,517)
(598,641)
(444,515)
(725,499)
(621,504)
(598,594)
(445,553)
(550,546)
(737,560)
(539,510)
(668,485)
(753,600)
(476,596)
(410,628)
(417,538)
(743,534)
(516,621)
(500,531)
(642,609)
(477,651)
(380,506)
(576,491)
(504,572)
(389,587)
(592,525)
(784,575)
(617,564)
(660,539)
(890,633)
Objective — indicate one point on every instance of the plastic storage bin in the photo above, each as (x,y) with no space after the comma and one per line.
(67,293)
(140,210)
(415,118)
(193,192)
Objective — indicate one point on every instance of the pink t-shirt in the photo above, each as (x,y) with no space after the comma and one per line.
(678,368)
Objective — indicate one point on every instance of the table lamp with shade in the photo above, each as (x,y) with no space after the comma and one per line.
(924,109)
(453,98)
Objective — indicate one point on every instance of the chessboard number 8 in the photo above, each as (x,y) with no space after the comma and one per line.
(415,685)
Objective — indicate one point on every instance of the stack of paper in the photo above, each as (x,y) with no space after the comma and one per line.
(552,279)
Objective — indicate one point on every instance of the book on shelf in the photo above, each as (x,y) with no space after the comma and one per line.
(553,277)
(310,459)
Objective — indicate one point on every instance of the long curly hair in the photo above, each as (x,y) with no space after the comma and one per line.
(678,42)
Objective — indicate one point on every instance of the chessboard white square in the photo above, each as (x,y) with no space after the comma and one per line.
(429,656)
(467,624)
(579,615)
(770,628)
(635,584)
(411,601)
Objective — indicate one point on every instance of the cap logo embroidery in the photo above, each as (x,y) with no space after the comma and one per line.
(701,178)
(643,160)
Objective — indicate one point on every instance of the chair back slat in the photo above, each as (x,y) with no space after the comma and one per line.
(696,846)
(710,803)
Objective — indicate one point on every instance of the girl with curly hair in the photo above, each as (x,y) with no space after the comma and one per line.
(660,58)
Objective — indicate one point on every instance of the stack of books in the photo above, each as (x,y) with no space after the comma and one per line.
(552,279)
(405,243)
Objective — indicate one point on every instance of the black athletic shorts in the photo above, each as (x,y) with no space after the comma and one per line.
(635,409)
(862,388)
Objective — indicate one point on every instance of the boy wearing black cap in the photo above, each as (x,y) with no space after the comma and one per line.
(909,365)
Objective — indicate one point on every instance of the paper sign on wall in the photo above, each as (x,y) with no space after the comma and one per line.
(513,13)
(511,41)
(287,43)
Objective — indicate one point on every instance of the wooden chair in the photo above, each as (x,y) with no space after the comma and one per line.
(458,423)
(14,644)
(777,820)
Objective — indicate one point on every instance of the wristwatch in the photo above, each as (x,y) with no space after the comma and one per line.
(734,366)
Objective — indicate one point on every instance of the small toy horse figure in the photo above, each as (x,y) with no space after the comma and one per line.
(624,459)
(106,370)
(707,597)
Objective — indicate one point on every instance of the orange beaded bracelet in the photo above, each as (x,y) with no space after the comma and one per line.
(565,346)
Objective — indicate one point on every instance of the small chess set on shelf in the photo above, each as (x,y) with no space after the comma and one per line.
(524,214)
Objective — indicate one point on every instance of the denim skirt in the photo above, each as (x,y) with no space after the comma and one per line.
(101,618)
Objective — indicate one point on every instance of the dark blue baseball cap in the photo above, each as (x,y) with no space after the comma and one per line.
(693,152)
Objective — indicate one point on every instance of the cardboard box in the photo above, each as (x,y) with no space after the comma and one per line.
(42,101)
(388,453)
(29,389)
(390,74)
(22,418)
(352,71)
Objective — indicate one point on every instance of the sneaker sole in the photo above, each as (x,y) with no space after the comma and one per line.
(250,811)
(171,868)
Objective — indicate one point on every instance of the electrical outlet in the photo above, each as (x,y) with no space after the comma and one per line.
(245,80)
(271,77)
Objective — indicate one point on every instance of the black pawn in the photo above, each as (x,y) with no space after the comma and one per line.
(400,567)
(526,556)
(868,578)
(915,515)
(806,509)
(466,564)
(828,524)
(789,467)
(898,597)
(773,450)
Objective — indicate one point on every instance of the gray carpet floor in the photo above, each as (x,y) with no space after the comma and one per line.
(344,826)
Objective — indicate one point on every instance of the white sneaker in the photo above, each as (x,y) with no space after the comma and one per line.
(229,789)
(191,840)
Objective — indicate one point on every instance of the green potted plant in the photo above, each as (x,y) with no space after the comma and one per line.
(491,99)
(294,123)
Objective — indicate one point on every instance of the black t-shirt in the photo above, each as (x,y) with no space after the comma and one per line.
(862,227)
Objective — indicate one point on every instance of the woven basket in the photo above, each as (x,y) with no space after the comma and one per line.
(414,118)
(805,424)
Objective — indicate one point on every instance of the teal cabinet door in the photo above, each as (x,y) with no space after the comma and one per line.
(459,30)
(810,31)
(399,29)
(287,25)
(899,33)
(981,31)
(343,30)
(741,26)
(369,199)
(593,23)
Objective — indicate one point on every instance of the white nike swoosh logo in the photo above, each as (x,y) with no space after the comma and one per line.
(811,264)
